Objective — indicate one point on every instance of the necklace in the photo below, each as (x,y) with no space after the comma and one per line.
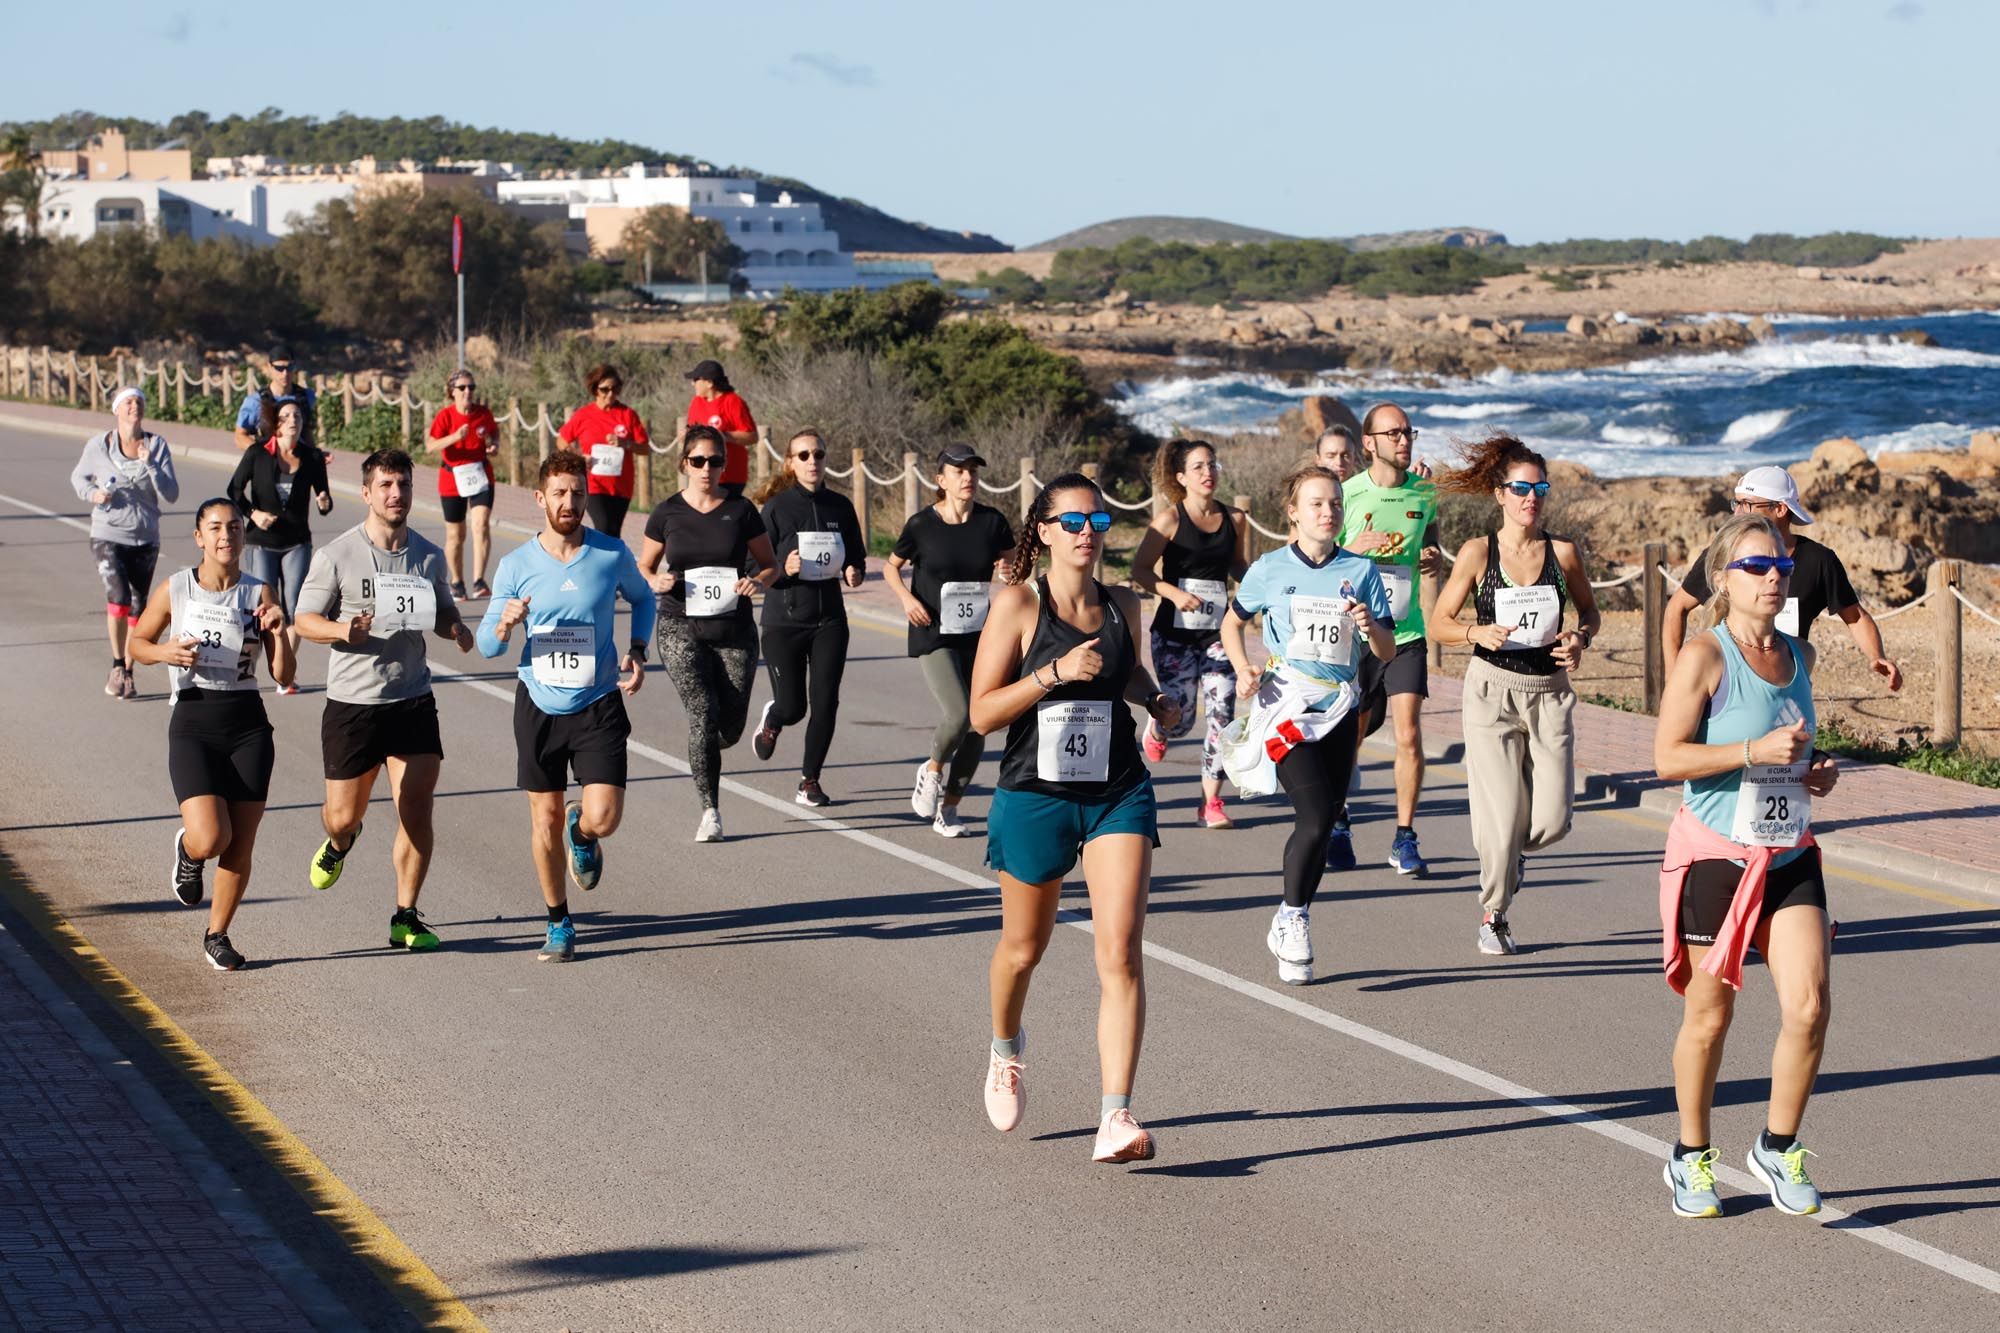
(1770,647)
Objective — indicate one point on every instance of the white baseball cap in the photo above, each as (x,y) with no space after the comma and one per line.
(1774,483)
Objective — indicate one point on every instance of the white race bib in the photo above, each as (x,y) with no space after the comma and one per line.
(607,460)
(564,656)
(1533,616)
(1214,594)
(821,555)
(218,648)
(470,478)
(404,601)
(1398,580)
(962,607)
(1321,631)
(1773,808)
(711,590)
(1788,617)
(1074,740)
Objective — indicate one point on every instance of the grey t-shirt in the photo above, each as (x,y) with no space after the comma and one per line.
(344,582)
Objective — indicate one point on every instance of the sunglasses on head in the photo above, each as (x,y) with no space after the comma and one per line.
(704,460)
(814,454)
(1757,566)
(1074,522)
(1525,488)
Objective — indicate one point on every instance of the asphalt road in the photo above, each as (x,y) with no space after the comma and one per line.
(754,1098)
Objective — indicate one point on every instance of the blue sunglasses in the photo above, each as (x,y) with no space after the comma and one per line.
(1074,522)
(1526,488)
(1757,566)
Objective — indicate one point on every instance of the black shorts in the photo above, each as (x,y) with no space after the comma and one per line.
(354,739)
(607,512)
(219,743)
(455,506)
(127,572)
(1711,886)
(549,747)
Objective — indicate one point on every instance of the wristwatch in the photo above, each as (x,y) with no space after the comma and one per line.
(638,649)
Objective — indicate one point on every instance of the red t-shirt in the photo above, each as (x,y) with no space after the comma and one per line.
(726,412)
(590,428)
(472,449)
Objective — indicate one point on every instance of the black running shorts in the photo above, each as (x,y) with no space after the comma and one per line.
(590,744)
(1711,886)
(354,739)
(219,744)
(456,506)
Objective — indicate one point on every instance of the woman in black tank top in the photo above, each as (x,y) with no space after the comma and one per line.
(1519,738)
(1058,662)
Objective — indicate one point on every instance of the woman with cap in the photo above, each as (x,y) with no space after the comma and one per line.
(718,406)
(956,548)
(275,485)
(609,434)
(123,475)
(466,436)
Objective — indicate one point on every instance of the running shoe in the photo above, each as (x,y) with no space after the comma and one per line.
(186,881)
(1120,1138)
(1784,1175)
(409,930)
(457,591)
(809,793)
(221,955)
(1290,942)
(1340,849)
(286,690)
(131,684)
(1214,816)
(710,828)
(1692,1179)
(586,855)
(480,590)
(328,862)
(929,790)
(1495,936)
(1154,744)
(1520,875)
(1404,859)
(560,946)
(1006,1093)
(946,823)
(765,739)
(114,685)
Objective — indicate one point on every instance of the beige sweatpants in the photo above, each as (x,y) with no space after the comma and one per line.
(1520,770)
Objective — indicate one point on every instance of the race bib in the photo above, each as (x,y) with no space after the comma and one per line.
(217,632)
(470,478)
(1788,617)
(821,554)
(1214,594)
(711,590)
(1533,616)
(962,607)
(607,460)
(564,656)
(1074,740)
(404,601)
(1321,632)
(1773,808)
(1398,579)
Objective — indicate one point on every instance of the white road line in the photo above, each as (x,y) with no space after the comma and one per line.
(76,523)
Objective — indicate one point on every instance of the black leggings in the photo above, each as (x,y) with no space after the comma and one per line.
(607,513)
(806,663)
(1316,777)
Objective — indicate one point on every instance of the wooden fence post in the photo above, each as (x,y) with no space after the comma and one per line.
(1653,586)
(347,400)
(510,436)
(1949,696)
(911,500)
(860,495)
(180,391)
(73,373)
(403,409)
(96,394)
(1027,485)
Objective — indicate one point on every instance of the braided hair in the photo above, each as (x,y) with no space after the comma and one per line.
(1028,547)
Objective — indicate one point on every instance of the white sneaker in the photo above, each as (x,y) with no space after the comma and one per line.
(710,829)
(1290,941)
(925,795)
(946,823)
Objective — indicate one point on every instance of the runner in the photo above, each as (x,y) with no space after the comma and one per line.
(956,547)
(708,638)
(274,486)
(718,406)
(1520,771)
(1741,866)
(1392,519)
(253,419)
(124,474)
(610,435)
(1819,585)
(1187,557)
(1058,662)
(1319,603)
(1337,452)
(372,595)
(569,706)
(818,542)
(466,436)
(215,618)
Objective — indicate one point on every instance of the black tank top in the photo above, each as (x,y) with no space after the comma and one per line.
(1076,739)
(1527,661)
(1194,554)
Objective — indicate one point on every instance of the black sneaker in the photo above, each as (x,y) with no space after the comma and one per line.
(222,955)
(186,882)
(457,591)
(481,591)
(766,738)
(810,794)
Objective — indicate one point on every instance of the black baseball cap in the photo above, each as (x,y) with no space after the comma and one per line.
(710,371)
(958,455)
(278,352)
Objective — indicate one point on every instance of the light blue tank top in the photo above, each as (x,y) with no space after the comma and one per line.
(1745,707)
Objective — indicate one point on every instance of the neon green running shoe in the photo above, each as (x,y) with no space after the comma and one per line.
(1784,1175)
(328,862)
(1692,1179)
(408,930)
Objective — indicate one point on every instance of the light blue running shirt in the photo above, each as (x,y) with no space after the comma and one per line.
(1297,598)
(570,658)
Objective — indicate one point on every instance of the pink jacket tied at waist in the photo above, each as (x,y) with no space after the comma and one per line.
(1689,840)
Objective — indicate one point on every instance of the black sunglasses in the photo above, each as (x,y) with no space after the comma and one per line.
(461,385)
(281,367)
(1526,488)
(1073,522)
(704,460)
(814,454)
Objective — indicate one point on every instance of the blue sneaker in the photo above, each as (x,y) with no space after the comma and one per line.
(560,946)
(1340,848)
(1404,859)
(586,857)
(1692,1179)
(1784,1175)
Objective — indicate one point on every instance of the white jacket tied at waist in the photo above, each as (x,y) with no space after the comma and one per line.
(1286,714)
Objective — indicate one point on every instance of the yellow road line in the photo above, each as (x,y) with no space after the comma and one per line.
(420,1290)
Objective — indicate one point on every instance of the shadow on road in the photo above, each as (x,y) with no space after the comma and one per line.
(646,1261)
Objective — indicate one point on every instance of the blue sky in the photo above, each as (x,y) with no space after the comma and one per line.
(1542,118)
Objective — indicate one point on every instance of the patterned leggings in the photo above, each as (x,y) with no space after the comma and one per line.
(1194,674)
(713,678)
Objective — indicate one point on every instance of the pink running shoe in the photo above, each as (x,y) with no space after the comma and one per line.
(1122,1139)
(1006,1095)
(1214,816)
(1154,744)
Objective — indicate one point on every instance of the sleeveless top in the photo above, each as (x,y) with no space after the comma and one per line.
(186,592)
(1745,706)
(1194,554)
(1527,661)
(1076,723)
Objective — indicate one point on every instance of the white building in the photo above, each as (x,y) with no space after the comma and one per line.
(257,211)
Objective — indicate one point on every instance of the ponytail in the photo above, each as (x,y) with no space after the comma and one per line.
(1028,547)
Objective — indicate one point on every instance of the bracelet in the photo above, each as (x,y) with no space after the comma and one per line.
(1746,753)
(1056,671)
(1035,674)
